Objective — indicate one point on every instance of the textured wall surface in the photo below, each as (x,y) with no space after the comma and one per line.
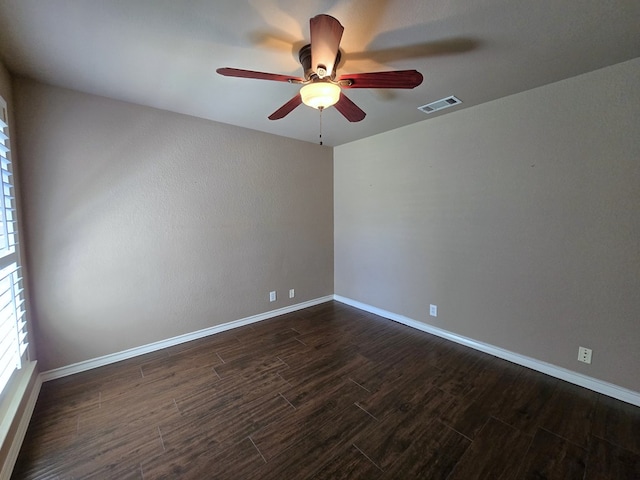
(143,224)
(519,218)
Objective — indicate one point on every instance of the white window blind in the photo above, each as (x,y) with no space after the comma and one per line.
(13,328)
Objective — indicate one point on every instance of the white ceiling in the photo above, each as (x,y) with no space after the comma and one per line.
(164,53)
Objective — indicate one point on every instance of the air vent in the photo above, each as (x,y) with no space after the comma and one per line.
(440,104)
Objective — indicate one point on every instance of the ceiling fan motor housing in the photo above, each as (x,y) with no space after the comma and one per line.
(304,55)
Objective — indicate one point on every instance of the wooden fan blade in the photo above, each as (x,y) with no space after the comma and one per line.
(237,72)
(287,108)
(350,110)
(326,33)
(394,79)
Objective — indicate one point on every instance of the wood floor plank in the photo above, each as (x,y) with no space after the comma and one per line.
(113,383)
(324,389)
(523,403)
(569,413)
(178,384)
(550,456)
(78,399)
(250,363)
(230,393)
(129,415)
(120,470)
(222,431)
(108,448)
(196,439)
(468,413)
(197,357)
(611,462)
(495,454)
(193,441)
(460,375)
(432,455)
(309,416)
(348,464)
(618,423)
(53,435)
(308,455)
(388,439)
(237,461)
(394,395)
(373,376)
(392,346)
(267,344)
(340,364)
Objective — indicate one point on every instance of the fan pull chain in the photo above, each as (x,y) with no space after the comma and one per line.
(321,109)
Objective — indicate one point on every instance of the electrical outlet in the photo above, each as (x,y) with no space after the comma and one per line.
(272,296)
(292,293)
(584,354)
(433,310)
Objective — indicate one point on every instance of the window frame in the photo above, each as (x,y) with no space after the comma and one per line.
(10,258)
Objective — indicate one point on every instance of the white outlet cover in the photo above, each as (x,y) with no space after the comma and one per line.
(584,354)
(292,293)
(433,310)
(272,296)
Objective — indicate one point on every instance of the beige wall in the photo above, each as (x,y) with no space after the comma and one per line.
(144,225)
(519,218)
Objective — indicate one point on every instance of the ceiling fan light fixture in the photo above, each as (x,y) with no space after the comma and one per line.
(320,95)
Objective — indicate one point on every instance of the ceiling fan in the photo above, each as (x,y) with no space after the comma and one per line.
(321,87)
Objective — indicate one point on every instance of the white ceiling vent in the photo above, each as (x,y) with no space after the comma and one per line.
(440,104)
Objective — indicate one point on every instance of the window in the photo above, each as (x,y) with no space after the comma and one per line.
(13,329)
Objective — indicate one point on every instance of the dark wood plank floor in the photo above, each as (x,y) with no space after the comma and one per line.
(329,392)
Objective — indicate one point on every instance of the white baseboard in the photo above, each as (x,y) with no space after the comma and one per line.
(152,347)
(591,383)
